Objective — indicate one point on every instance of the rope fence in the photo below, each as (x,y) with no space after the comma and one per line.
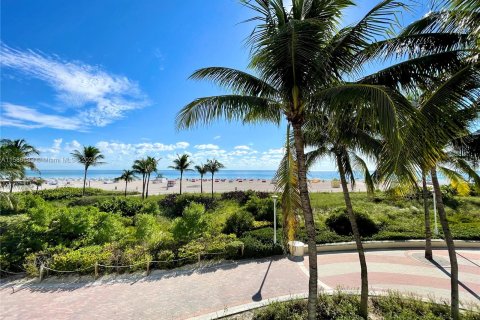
(44,270)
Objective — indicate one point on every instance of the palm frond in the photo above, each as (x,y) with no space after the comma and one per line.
(361,165)
(235,80)
(229,107)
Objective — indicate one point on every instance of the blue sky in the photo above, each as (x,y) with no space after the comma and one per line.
(113,73)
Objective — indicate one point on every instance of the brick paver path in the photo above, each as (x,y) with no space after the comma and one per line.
(185,294)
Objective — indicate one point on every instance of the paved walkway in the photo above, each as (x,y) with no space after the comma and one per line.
(186,294)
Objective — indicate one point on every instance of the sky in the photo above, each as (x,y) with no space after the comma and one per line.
(114,74)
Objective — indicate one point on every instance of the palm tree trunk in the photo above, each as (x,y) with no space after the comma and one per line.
(148,182)
(309,221)
(144,179)
(201,183)
(84,181)
(358,242)
(454,307)
(181,178)
(428,230)
(126,183)
(11,185)
(212,185)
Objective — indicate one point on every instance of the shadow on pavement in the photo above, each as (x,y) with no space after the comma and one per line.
(441,268)
(258,296)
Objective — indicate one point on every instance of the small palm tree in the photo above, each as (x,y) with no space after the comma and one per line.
(202,170)
(90,156)
(141,166)
(127,176)
(38,182)
(181,164)
(17,151)
(212,167)
(151,168)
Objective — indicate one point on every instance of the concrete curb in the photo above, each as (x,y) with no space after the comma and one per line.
(394,244)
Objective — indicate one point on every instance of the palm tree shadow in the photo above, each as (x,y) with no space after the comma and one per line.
(258,296)
(441,268)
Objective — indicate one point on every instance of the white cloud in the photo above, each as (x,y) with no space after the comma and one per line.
(24,117)
(112,147)
(242,148)
(216,137)
(73,145)
(208,146)
(278,151)
(102,97)
(54,149)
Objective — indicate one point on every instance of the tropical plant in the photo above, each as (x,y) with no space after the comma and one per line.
(202,170)
(303,58)
(37,182)
(127,176)
(14,159)
(286,182)
(140,166)
(343,138)
(213,166)
(89,156)
(151,168)
(181,164)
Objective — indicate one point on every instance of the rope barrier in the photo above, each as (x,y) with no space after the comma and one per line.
(147,263)
(10,272)
(68,271)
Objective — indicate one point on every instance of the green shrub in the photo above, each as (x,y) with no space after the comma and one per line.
(173,205)
(239,222)
(255,248)
(128,206)
(338,221)
(81,259)
(241,197)
(191,225)
(221,246)
(66,193)
(137,257)
(167,257)
(152,233)
(262,209)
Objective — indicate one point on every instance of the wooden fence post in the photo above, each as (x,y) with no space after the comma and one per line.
(42,270)
(96,270)
(242,248)
(148,267)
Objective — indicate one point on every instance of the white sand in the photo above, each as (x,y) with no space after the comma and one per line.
(193,185)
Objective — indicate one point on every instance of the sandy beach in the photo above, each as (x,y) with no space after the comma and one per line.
(163,186)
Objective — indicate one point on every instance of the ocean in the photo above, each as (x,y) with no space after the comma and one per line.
(172,174)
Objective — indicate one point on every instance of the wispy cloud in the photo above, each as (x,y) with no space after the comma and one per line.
(102,97)
(28,118)
(207,146)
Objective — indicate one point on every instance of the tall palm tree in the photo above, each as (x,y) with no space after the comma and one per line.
(151,167)
(89,156)
(141,166)
(213,166)
(341,139)
(301,56)
(127,176)
(181,164)
(450,105)
(202,170)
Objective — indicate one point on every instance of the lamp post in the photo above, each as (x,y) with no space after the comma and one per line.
(274,218)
